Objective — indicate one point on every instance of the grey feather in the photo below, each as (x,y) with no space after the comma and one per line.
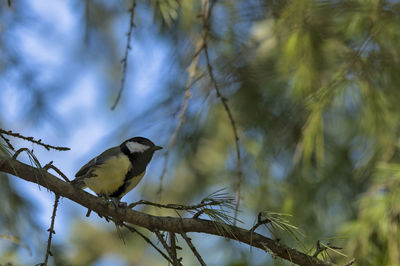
(86,170)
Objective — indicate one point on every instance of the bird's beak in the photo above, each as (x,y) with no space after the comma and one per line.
(156,148)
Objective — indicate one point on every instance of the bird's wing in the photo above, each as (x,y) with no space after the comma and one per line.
(98,160)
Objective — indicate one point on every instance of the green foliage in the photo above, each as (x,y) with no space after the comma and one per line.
(376,230)
(222,213)
(278,222)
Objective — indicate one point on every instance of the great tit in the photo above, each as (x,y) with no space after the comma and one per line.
(117,170)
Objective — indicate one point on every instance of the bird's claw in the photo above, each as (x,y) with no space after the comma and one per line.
(117,203)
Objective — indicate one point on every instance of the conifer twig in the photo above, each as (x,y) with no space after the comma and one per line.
(134,230)
(260,221)
(207,8)
(128,47)
(351,262)
(51,231)
(7,141)
(174,206)
(30,154)
(58,171)
(31,139)
(323,247)
(160,237)
(174,247)
(194,250)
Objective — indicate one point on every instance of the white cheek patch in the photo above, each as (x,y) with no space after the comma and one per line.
(136,147)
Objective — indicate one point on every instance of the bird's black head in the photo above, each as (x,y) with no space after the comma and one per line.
(139,146)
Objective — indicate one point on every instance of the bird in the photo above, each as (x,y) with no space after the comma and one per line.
(116,171)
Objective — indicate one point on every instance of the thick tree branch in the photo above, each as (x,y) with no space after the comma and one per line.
(152,223)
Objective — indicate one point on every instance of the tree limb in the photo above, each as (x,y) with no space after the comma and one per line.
(151,222)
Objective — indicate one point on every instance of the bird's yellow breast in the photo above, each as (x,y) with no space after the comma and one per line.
(110,175)
(132,183)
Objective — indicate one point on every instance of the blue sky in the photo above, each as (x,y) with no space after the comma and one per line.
(87,125)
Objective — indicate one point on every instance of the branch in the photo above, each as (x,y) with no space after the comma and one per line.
(169,249)
(124,61)
(174,247)
(30,139)
(151,222)
(260,221)
(51,231)
(350,262)
(7,141)
(194,250)
(58,171)
(177,207)
(134,230)
(207,8)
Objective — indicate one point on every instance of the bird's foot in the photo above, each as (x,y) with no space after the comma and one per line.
(117,203)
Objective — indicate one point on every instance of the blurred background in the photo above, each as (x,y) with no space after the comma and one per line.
(312,86)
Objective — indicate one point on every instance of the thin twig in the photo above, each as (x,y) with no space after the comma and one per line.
(17,241)
(7,141)
(350,262)
(31,139)
(134,230)
(18,152)
(197,214)
(260,221)
(319,249)
(175,206)
(322,247)
(201,45)
(164,243)
(31,157)
(192,247)
(87,21)
(173,249)
(58,171)
(118,224)
(191,70)
(30,153)
(51,230)
(206,14)
(124,61)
